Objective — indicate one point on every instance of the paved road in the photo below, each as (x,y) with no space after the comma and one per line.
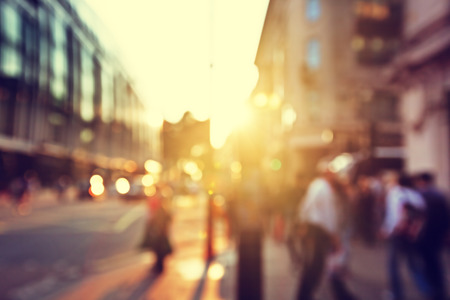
(187,274)
(44,249)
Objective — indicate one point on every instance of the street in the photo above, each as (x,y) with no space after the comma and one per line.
(90,250)
(187,274)
(61,243)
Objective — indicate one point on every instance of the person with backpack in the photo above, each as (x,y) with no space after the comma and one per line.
(403,222)
(435,230)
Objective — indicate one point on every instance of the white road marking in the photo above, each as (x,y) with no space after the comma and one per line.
(128,218)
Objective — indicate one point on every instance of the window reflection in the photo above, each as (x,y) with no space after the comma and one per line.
(107,95)
(10,61)
(313,54)
(87,86)
(312,10)
(10,24)
(10,35)
(59,61)
(43,48)
(76,75)
(30,50)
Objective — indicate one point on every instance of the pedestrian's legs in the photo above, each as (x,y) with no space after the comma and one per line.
(393,269)
(416,266)
(434,272)
(293,244)
(159,264)
(339,288)
(315,251)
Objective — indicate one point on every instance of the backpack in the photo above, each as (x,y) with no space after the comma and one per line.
(411,227)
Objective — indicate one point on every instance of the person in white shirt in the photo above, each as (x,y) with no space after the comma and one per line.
(322,216)
(399,196)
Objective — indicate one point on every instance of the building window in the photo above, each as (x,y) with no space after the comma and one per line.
(44,61)
(59,61)
(121,98)
(10,36)
(76,75)
(312,10)
(107,102)
(30,50)
(87,87)
(313,54)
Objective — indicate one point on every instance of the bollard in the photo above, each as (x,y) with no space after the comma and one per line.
(250,264)
(209,230)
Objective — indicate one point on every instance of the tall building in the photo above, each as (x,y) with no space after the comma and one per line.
(67,105)
(421,73)
(322,60)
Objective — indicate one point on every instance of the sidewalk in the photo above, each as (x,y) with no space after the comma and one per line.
(193,278)
(367,277)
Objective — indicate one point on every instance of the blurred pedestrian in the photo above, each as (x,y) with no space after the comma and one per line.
(19,190)
(400,228)
(293,200)
(157,233)
(322,215)
(434,233)
(61,186)
(364,211)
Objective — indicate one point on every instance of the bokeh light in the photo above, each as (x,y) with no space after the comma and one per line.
(152,166)
(147,180)
(216,271)
(122,185)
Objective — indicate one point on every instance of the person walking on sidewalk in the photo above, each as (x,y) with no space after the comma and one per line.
(435,231)
(157,232)
(402,204)
(322,229)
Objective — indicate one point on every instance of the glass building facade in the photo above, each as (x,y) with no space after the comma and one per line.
(62,95)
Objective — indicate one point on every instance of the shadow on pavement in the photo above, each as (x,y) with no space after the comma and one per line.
(134,291)
(201,284)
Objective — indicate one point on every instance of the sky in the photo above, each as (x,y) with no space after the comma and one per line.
(168,47)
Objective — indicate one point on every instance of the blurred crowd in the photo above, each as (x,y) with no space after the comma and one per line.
(321,218)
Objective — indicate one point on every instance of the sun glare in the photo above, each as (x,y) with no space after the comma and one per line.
(202,62)
(230,110)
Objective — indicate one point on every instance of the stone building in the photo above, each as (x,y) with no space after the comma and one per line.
(421,73)
(319,63)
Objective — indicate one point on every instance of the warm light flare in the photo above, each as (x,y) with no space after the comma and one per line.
(236,167)
(190,167)
(155,119)
(96,190)
(327,136)
(340,162)
(96,179)
(219,74)
(130,166)
(148,180)
(153,166)
(231,91)
(150,191)
(216,271)
(122,186)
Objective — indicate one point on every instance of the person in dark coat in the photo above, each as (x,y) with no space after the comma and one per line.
(435,231)
(158,226)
